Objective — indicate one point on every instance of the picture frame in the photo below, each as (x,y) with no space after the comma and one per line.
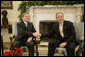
(6,5)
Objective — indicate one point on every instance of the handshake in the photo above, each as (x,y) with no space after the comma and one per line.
(37,35)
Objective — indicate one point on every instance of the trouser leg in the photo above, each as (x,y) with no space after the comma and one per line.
(70,48)
(51,47)
(30,46)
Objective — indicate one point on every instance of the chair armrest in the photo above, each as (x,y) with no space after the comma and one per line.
(79,48)
(76,49)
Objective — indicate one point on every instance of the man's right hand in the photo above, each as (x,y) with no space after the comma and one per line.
(36,34)
(38,38)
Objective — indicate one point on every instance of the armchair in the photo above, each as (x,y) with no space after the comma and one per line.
(80,47)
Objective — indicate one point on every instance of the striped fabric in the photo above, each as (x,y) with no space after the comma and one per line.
(61,51)
(16,32)
(80,37)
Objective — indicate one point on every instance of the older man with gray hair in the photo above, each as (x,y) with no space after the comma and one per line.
(65,36)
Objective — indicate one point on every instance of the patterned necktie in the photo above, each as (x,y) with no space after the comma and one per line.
(61,30)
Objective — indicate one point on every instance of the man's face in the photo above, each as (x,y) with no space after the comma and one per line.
(59,18)
(26,17)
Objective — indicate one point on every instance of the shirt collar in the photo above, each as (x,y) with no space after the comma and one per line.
(62,23)
(25,22)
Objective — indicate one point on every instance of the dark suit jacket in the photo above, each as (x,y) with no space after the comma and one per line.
(68,30)
(24,32)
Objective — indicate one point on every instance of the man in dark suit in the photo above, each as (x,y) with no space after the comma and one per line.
(65,36)
(26,32)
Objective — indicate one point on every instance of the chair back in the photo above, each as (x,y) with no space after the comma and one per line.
(79,31)
(16,31)
(74,24)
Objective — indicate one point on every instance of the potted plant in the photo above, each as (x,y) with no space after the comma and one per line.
(15,52)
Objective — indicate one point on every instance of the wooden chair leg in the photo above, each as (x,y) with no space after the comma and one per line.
(37,53)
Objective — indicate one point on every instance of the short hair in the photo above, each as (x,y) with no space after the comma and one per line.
(59,13)
(24,14)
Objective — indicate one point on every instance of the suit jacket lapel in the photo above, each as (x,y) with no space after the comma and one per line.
(23,24)
(64,28)
(58,28)
(28,27)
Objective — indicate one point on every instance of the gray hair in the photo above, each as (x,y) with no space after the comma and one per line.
(24,14)
(59,13)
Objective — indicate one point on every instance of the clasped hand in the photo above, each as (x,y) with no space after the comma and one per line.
(37,35)
(63,44)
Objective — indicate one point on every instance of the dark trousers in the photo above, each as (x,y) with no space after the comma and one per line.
(29,45)
(70,47)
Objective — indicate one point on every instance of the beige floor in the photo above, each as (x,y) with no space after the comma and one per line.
(43,51)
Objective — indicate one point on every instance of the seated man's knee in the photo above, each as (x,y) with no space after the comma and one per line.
(16,44)
(30,43)
(51,42)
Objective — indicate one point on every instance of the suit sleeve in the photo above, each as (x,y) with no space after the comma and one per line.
(72,37)
(33,30)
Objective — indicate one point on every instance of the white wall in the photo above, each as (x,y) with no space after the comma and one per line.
(48,12)
(12,16)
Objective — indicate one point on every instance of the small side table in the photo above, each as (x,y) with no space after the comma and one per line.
(9,27)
